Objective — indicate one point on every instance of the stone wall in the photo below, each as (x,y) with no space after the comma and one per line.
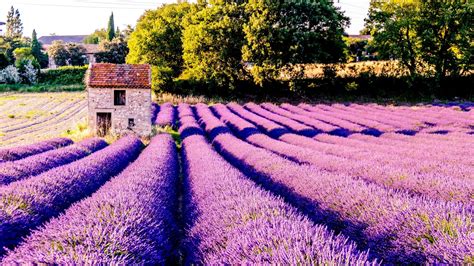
(137,107)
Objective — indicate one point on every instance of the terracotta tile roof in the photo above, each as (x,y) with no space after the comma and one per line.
(119,76)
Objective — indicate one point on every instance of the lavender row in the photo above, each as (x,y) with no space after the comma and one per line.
(386,174)
(397,227)
(17,153)
(37,164)
(342,124)
(129,220)
(355,152)
(26,204)
(233,221)
(166,115)
(371,122)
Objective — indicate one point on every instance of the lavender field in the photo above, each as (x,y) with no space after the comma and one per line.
(250,184)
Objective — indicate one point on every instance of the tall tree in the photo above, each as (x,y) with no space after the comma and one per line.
(285,35)
(212,44)
(14,25)
(111,28)
(157,41)
(37,51)
(427,37)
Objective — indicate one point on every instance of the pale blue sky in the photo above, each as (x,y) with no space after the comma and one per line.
(76,17)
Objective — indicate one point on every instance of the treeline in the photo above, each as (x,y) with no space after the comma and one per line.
(265,47)
(224,45)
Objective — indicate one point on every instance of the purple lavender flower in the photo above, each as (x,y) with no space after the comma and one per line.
(26,204)
(37,164)
(130,220)
(20,152)
(232,221)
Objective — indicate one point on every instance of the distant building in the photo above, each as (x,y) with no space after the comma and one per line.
(119,99)
(91,49)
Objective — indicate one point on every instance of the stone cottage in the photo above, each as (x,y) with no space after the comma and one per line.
(119,98)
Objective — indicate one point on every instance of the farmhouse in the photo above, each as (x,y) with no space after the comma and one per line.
(91,49)
(119,98)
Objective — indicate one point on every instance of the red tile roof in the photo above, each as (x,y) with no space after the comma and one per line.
(119,76)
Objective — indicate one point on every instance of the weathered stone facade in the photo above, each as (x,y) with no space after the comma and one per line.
(137,107)
(119,98)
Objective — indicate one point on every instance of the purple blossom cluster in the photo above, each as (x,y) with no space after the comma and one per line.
(232,221)
(339,184)
(387,174)
(20,152)
(37,164)
(129,220)
(166,115)
(395,226)
(26,204)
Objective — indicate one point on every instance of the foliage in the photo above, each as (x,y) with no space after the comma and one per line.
(37,51)
(424,35)
(67,54)
(96,37)
(10,75)
(77,54)
(114,51)
(29,70)
(67,75)
(280,34)
(3,61)
(9,44)
(359,50)
(212,42)
(14,25)
(58,52)
(111,28)
(157,41)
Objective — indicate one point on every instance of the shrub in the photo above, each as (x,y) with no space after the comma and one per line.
(67,75)
(10,75)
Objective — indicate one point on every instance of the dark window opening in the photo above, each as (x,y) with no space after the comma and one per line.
(131,122)
(119,98)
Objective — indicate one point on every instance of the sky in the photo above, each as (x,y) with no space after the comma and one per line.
(82,17)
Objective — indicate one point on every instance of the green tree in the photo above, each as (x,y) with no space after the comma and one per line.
(427,37)
(111,28)
(58,53)
(72,54)
(14,25)
(212,44)
(283,36)
(157,41)
(114,52)
(77,54)
(37,51)
(96,37)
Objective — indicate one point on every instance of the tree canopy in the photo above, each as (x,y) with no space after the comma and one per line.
(432,37)
(157,41)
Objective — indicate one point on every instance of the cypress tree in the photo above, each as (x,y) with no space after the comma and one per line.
(111,28)
(14,24)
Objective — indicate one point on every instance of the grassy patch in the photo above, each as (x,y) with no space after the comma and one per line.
(40,88)
(169,130)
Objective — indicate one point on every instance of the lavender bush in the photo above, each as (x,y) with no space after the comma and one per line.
(34,165)
(166,115)
(233,221)
(398,228)
(20,152)
(130,220)
(28,203)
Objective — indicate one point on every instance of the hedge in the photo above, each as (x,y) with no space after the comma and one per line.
(68,75)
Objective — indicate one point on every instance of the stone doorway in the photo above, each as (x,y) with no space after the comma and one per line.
(104,124)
